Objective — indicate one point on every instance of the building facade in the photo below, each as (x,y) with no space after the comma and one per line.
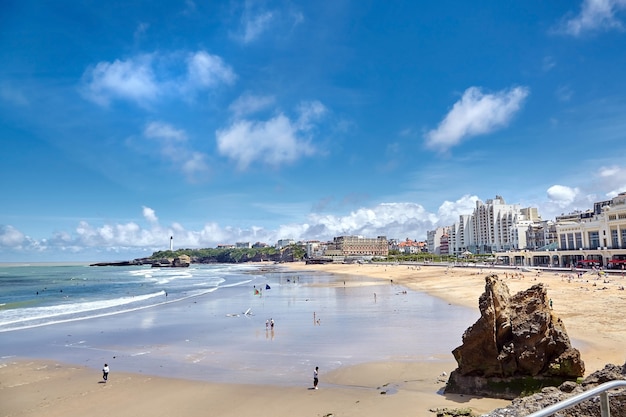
(358,246)
(434,240)
(592,238)
(493,226)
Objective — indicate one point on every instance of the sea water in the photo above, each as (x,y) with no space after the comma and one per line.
(212,322)
(33,296)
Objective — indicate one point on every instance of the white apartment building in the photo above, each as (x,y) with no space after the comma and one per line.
(461,235)
(493,226)
(314,249)
(583,239)
(283,243)
(434,238)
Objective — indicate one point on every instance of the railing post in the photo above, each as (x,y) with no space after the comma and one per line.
(605,410)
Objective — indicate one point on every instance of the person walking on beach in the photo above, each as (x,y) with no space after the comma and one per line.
(105,372)
(315,377)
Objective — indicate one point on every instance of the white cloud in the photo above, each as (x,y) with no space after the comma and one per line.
(132,79)
(476,113)
(144,79)
(612,179)
(594,15)
(394,220)
(256,21)
(449,211)
(562,195)
(11,237)
(564,93)
(206,70)
(273,142)
(254,26)
(387,219)
(174,148)
(150,215)
(248,104)
(164,131)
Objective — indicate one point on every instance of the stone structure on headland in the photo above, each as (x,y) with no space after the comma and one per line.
(518,345)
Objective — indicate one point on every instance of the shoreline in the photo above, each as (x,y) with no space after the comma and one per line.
(398,386)
(46,388)
(65,379)
(590,306)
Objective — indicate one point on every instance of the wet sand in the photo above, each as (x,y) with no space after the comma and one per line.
(402,384)
(591,306)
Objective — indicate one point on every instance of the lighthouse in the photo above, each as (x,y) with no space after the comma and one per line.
(171,243)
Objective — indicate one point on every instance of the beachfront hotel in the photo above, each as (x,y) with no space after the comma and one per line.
(357,246)
(518,236)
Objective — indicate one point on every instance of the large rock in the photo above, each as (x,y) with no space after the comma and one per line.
(516,345)
(182,261)
(524,406)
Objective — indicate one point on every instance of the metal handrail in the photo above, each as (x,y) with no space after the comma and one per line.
(600,390)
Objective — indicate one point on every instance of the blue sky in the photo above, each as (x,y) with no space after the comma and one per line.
(123,123)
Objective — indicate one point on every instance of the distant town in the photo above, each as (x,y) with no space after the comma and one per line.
(495,232)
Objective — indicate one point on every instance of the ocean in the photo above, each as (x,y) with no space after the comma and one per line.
(32,296)
(211,322)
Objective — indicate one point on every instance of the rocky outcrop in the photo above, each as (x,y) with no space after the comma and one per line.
(138,261)
(551,395)
(517,345)
(182,261)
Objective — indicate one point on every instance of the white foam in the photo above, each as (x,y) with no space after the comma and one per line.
(39,313)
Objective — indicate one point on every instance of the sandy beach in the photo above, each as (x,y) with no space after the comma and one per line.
(590,306)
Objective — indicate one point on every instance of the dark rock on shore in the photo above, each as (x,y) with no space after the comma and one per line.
(517,346)
(182,261)
(524,406)
(139,261)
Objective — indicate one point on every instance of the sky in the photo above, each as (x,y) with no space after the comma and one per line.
(123,123)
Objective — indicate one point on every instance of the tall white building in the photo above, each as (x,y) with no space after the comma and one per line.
(581,239)
(434,239)
(493,226)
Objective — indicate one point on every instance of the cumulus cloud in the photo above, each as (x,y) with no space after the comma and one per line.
(248,104)
(273,142)
(132,79)
(613,179)
(394,220)
(594,15)
(476,113)
(449,211)
(150,215)
(174,148)
(11,237)
(143,79)
(562,195)
(206,70)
